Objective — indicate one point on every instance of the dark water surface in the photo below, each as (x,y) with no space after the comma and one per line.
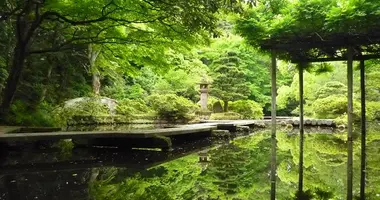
(204,169)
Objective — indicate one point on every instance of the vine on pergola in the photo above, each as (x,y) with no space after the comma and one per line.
(315,30)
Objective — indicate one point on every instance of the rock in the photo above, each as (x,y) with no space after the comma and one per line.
(217,107)
(110,103)
(243,129)
(328,122)
(307,122)
(314,122)
(296,122)
(220,133)
(260,124)
(282,123)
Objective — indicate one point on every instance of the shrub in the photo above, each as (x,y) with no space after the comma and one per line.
(89,106)
(373,110)
(248,109)
(43,114)
(226,116)
(86,107)
(333,106)
(172,107)
(128,107)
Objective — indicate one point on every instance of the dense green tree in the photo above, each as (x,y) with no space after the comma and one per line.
(228,80)
(133,23)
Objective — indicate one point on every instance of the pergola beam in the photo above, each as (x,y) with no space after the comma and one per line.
(316,42)
(357,58)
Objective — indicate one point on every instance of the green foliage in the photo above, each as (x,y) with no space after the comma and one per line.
(248,109)
(172,107)
(87,107)
(332,88)
(90,106)
(253,64)
(373,110)
(42,115)
(285,94)
(226,116)
(372,85)
(229,81)
(129,107)
(332,107)
(307,18)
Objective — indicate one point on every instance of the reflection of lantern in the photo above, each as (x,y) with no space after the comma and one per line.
(203,160)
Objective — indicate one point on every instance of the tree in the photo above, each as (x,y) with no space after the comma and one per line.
(107,22)
(229,80)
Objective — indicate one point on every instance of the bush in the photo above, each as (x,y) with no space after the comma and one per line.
(172,107)
(226,116)
(42,115)
(128,107)
(248,109)
(332,107)
(87,107)
(373,110)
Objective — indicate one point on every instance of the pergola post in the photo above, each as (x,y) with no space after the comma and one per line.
(301,127)
(274,140)
(363,130)
(349,125)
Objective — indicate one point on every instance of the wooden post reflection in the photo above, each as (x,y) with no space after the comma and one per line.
(301,126)
(274,140)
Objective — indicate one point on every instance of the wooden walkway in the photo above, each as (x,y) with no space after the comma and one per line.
(104,134)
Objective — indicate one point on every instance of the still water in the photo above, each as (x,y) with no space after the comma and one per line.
(207,169)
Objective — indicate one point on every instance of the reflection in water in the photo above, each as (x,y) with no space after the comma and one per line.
(238,170)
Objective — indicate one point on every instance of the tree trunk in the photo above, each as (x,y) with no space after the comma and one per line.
(14,77)
(25,27)
(46,82)
(225,109)
(92,56)
(96,82)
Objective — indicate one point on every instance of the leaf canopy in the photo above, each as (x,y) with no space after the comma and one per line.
(319,28)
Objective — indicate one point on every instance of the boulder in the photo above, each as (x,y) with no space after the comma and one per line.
(217,107)
(110,103)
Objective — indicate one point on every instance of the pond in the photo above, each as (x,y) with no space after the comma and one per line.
(204,170)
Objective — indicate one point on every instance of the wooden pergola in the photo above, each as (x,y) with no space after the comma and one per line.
(315,48)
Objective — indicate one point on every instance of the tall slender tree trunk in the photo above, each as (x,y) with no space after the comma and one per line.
(225,109)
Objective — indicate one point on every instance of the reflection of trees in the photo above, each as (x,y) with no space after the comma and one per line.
(240,170)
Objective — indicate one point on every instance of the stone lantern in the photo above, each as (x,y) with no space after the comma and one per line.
(204,93)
